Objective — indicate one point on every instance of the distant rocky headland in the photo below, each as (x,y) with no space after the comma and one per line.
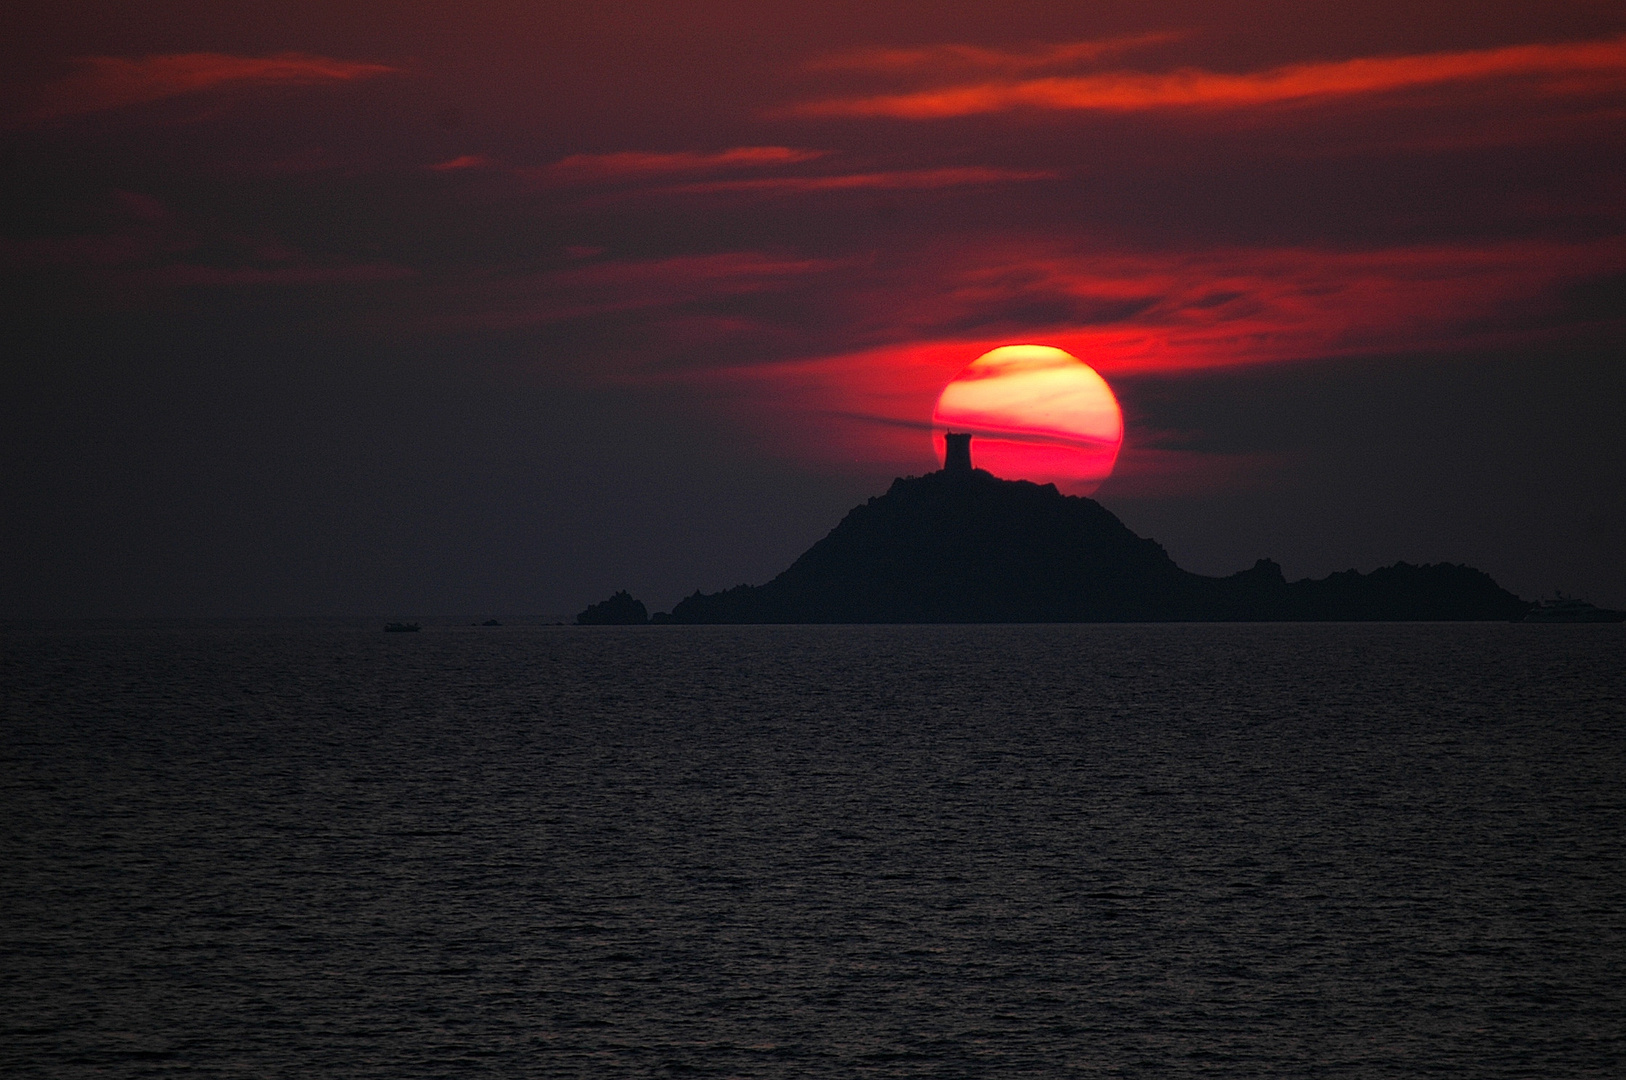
(619,610)
(963,546)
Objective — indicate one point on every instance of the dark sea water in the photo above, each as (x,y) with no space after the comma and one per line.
(316,850)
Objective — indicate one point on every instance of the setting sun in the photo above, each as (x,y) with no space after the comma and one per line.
(1038,414)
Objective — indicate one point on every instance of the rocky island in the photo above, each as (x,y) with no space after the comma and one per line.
(962,545)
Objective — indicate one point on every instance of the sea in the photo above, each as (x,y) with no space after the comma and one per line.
(314,849)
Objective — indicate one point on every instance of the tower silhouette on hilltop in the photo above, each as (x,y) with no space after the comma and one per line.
(956,452)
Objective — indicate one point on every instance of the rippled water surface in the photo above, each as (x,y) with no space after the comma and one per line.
(286,849)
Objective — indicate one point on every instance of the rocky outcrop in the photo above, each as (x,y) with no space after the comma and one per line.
(621,609)
(966,546)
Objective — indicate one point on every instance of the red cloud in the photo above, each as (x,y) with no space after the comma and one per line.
(112,82)
(1579,67)
(637,165)
(930,58)
(907,179)
(466,161)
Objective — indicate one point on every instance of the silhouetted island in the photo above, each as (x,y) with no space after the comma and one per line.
(619,610)
(962,545)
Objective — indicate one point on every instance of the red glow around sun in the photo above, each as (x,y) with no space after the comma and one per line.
(1037,413)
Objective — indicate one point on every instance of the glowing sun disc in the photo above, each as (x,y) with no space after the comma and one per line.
(1035,413)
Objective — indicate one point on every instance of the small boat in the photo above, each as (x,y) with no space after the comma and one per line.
(401,628)
(1567,609)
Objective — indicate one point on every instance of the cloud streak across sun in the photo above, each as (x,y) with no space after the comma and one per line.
(1160,316)
(1571,68)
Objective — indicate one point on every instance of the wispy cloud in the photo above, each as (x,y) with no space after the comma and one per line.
(465,161)
(636,173)
(1577,67)
(639,165)
(1142,311)
(658,288)
(149,250)
(112,82)
(898,180)
(954,57)
(224,277)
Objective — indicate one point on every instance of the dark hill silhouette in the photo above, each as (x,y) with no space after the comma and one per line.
(619,610)
(961,545)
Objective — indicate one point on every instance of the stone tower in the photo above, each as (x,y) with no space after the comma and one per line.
(956,452)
